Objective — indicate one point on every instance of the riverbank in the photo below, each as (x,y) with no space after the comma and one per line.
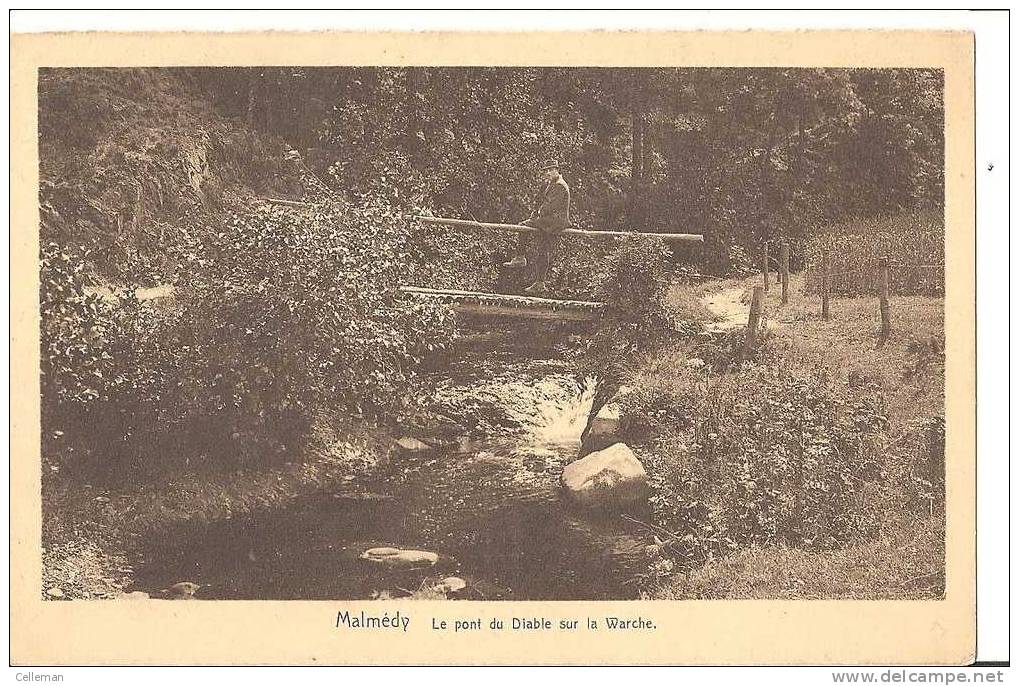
(181,367)
(904,560)
(501,412)
(691,406)
(94,537)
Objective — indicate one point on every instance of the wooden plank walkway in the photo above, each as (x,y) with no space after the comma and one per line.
(499,305)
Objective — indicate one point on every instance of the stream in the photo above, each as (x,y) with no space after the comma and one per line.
(491,507)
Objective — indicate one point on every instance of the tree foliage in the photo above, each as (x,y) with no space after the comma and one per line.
(233,369)
(741,155)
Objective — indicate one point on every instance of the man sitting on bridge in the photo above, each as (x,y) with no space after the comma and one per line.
(551,217)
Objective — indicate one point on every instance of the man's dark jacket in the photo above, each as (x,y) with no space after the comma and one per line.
(553,214)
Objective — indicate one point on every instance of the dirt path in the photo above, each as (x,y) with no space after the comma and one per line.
(729,307)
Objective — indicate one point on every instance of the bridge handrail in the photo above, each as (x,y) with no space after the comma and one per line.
(520,228)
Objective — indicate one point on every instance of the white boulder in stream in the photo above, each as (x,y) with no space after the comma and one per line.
(398,558)
(450,585)
(609,478)
(412,445)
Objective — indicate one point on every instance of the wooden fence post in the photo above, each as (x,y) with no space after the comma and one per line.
(766,267)
(825,286)
(753,323)
(886,314)
(785,272)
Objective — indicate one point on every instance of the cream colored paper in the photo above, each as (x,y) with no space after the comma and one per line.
(687,632)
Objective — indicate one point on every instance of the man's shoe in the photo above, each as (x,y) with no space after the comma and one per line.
(536,288)
(517,261)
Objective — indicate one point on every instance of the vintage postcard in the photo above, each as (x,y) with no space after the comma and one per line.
(501,348)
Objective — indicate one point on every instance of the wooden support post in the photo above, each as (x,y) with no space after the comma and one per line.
(825,286)
(753,323)
(886,314)
(766,267)
(785,272)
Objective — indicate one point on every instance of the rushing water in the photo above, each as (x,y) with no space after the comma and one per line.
(491,508)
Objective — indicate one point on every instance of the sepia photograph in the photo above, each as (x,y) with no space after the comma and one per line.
(518,348)
(492,333)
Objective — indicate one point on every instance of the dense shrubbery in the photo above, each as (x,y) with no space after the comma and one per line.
(633,282)
(232,369)
(332,318)
(277,313)
(925,465)
(90,376)
(77,326)
(759,456)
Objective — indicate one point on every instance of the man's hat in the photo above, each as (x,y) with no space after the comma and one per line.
(549,164)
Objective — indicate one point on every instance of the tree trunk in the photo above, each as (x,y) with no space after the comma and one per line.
(637,165)
(784,266)
(645,175)
(254,76)
(763,221)
(637,161)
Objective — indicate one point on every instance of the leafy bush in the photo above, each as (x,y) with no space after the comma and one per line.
(334,315)
(76,331)
(278,313)
(633,283)
(723,350)
(760,456)
(925,465)
(740,263)
(932,457)
(91,376)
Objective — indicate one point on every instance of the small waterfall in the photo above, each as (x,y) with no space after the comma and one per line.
(551,410)
(562,413)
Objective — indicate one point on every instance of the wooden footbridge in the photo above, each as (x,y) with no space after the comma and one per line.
(474,303)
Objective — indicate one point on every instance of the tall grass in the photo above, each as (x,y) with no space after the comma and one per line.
(914,245)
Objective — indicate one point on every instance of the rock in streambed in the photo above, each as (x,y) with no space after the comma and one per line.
(611,478)
(398,558)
